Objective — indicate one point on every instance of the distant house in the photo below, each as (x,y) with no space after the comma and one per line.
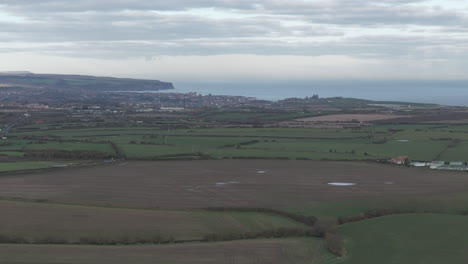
(402,160)
(171,109)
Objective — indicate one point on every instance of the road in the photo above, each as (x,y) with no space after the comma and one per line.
(7,129)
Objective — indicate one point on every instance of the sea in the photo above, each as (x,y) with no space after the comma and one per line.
(452,93)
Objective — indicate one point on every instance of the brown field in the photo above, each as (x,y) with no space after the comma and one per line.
(351,117)
(237,252)
(38,221)
(230,183)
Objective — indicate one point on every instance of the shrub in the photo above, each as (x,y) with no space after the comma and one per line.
(324,226)
(49,240)
(307,220)
(273,233)
(12,239)
(335,243)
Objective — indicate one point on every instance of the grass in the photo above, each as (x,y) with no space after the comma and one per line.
(419,142)
(36,221)
(233,132)
(421,238)
(454,203)
(336,209)
(25,165)
(71,146)
(12,153)
(459,152)
(273,251)
(242,116)
(334,149)
(150,151)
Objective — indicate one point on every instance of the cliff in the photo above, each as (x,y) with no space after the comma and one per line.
(81,82)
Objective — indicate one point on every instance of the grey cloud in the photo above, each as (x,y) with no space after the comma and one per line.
(362,12)
(129,28)
(112,5)
(151,26)
(380,47)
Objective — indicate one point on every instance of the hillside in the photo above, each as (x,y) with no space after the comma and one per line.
(423,238)
(80,82)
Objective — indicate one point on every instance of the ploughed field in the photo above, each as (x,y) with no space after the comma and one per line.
(284,185)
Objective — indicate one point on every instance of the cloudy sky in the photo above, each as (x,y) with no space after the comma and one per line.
(231,40)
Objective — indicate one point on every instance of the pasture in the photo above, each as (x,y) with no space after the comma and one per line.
(272,251)
(26,165)
(419,142)
(71,224)
(242,116)
(351,117)
(416,239)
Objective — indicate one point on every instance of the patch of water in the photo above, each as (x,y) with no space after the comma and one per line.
(226,183)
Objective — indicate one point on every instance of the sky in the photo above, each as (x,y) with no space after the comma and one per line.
(238,40)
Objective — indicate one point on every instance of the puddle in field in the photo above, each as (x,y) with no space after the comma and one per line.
(341,183)
(261,171)
(403,140)
(389,183)
(226,183)
(195,189)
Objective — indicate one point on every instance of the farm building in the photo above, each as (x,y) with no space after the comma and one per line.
(442,165)
(402,160)
(420,164)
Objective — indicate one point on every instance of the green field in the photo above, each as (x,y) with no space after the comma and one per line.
(12,153)
(415,239)
(70,223)
(242,116)
(460,152)
(418,238)
(271,251)
(26,165)
(419,142)
(72,146)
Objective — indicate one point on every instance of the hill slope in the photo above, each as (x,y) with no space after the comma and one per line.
(80,82)
(415,239)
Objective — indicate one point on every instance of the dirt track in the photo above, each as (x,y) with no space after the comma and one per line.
(230,183)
